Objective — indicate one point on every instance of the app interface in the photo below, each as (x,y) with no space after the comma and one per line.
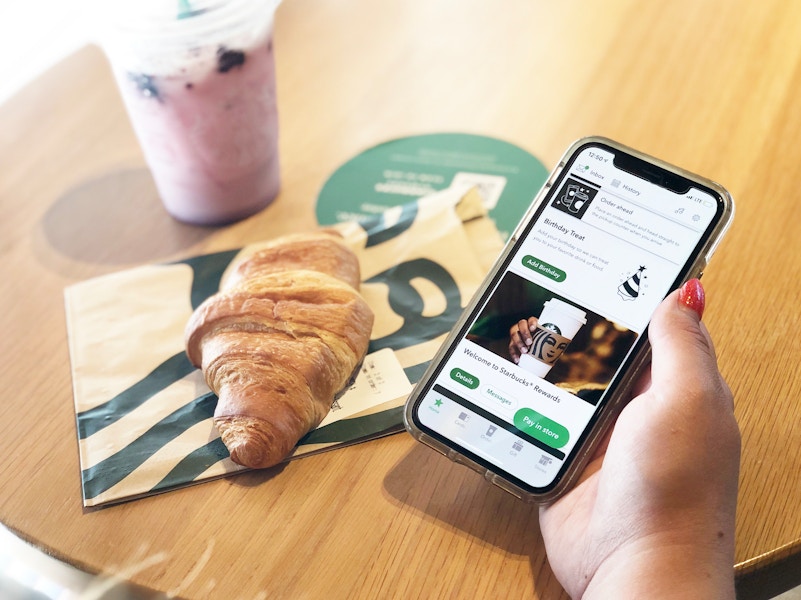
(600,257)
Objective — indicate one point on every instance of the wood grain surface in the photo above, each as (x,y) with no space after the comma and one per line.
(714,87)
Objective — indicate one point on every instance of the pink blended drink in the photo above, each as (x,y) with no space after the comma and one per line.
(198,82)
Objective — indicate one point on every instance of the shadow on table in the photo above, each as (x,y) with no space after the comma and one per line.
(459,498)
(251,478)
(116,219)
(453,494)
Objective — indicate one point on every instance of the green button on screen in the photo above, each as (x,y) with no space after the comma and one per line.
(466,379)
(544,268)
(541,428)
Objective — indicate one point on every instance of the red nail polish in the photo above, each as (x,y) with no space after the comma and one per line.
(692,295)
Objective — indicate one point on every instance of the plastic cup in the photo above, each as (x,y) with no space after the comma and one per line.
(198,81)
(557,325)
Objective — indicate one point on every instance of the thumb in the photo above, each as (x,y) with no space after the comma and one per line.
(681,348)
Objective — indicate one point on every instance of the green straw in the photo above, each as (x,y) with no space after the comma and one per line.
(184,9)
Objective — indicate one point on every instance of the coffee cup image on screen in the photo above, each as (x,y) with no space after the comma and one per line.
(557,324)
(572,347)
(575,198)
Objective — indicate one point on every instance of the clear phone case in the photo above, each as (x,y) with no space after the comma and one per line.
(623,382)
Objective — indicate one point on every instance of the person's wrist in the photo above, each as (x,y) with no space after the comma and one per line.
(676,564)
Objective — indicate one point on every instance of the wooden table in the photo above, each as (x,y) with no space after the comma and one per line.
(712,86)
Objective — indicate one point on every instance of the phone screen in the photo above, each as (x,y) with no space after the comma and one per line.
(613,236)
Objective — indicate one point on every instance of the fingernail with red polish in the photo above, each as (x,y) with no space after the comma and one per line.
(692,295)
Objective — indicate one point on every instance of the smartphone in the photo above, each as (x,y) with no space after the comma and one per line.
(611,233)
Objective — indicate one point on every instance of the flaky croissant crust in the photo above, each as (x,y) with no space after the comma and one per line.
(279,342)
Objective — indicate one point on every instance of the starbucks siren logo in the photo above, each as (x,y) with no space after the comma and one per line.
(547,343)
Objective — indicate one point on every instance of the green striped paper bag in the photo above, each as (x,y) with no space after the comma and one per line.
(144,413)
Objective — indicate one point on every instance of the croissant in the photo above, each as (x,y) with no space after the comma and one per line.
(284,335)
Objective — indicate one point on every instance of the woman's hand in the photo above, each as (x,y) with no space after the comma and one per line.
(653,514)
(520,337)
